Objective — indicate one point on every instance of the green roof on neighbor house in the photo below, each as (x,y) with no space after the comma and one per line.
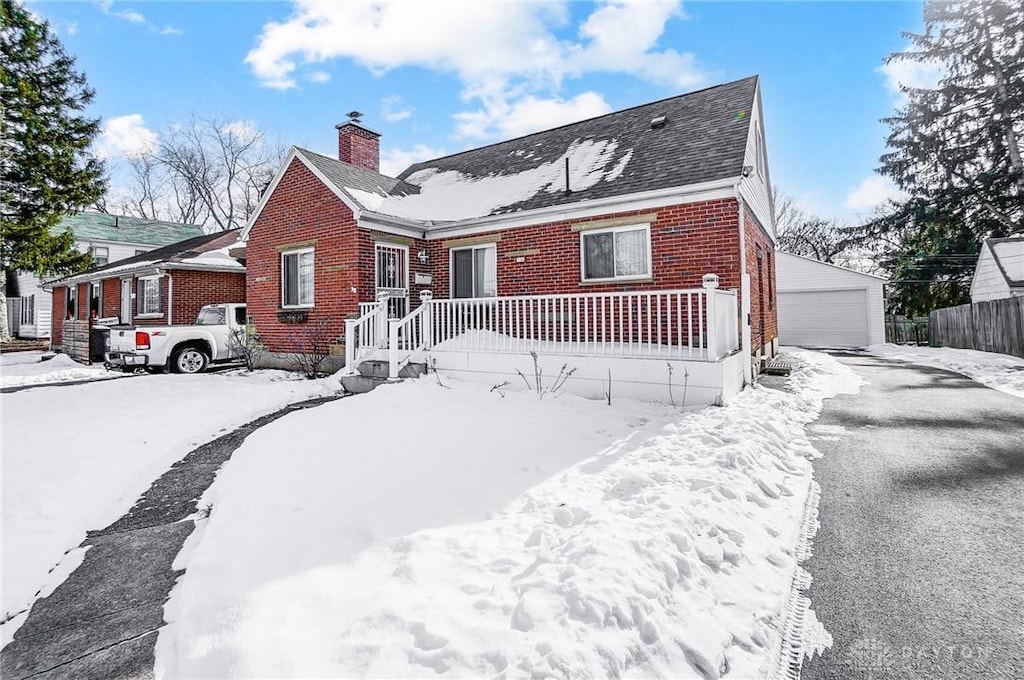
(92,226)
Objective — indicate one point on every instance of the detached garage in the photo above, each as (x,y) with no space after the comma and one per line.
(823,305)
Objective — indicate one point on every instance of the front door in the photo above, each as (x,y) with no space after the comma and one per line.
(126,301)
(393,277)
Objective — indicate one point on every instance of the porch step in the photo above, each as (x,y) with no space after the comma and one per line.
(373,373)
(361,384)
(376,368)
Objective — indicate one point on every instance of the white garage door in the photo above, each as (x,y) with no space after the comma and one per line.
(824,318)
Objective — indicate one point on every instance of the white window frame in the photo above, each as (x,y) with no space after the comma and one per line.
(645,227)
(298,252)
(106,257)
(140,294)
(28,310)
(71,302)
(96,292)
(451,268)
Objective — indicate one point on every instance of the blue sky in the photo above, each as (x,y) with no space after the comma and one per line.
(440,77)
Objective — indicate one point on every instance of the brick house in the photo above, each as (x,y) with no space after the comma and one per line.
(165,286)
(590,240)
(108,238)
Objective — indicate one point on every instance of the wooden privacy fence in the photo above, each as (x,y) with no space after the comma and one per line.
(993,326)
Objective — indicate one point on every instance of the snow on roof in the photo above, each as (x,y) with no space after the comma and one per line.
(452,195)
(220,258)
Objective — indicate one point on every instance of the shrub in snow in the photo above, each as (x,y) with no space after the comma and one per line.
(245,345)
(310,348)
(538,385)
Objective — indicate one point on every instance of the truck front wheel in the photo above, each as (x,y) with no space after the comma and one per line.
(189,360)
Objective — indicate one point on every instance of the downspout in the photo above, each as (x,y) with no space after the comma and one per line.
(170,298)
(748,365)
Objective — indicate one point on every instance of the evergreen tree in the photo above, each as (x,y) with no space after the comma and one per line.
(956,149)
(46,170)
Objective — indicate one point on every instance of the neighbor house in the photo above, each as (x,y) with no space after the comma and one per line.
(165,286)
(1000,270)
(638,245)
(108,238)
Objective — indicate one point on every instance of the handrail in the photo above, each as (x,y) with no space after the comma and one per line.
(406,336)
(364,334)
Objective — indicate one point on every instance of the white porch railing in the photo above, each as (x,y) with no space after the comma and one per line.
(408,335)
(366,334)
(723,310)
(697,324)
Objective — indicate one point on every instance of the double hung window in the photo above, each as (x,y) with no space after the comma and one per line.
(616,253)
(475,271)
(147,295)
(297,278)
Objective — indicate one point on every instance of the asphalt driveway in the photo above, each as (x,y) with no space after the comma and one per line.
(918,565)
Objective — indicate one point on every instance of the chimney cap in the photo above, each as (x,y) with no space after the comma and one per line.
(353,121)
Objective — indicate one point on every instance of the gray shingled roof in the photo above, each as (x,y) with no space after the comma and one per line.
(344,176)
(704,139)
(92,226)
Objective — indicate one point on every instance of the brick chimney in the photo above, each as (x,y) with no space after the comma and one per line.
(358,145)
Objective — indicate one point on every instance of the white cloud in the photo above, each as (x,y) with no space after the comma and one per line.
(124,137)
(107,6)
(241,129)
(620,36)
(394,161)
(170,30)
(510,56)
(319,77)
(500,117)
(911,73)
(487,37)
(872,192)
(393,109)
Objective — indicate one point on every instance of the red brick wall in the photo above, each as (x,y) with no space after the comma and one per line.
(57,318)
(763,312)
(111,298)
(359,147)
(83,301)
(687,241)
(301,211)
(193,290)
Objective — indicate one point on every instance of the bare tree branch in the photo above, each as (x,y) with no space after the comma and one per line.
(207,170)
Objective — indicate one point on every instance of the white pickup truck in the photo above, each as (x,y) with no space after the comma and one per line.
(185,349)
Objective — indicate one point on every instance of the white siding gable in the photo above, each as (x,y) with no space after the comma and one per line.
(118,250)
(756,189)
(988,282)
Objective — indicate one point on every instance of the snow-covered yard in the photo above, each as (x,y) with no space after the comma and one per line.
(75,457)
(34,368)
(420,530)
(999,371)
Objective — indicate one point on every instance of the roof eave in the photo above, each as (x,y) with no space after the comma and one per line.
(203,268)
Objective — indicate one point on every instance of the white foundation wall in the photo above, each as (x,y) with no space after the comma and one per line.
(692,382)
